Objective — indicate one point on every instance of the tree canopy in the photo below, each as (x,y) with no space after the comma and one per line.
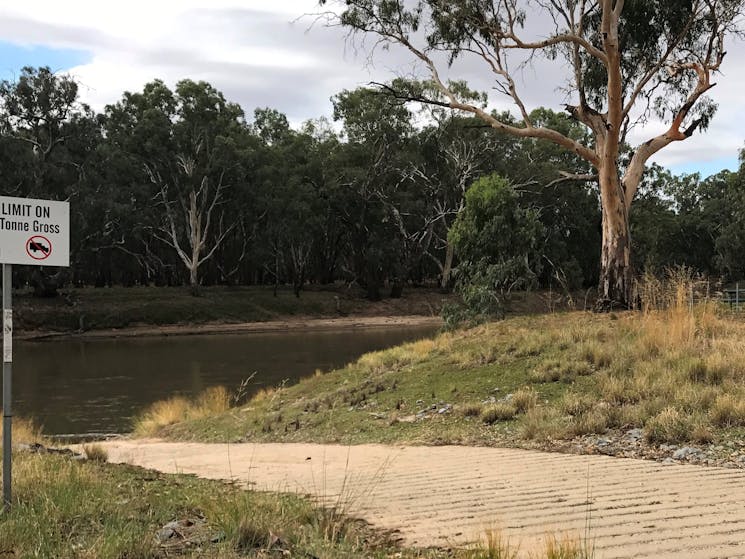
(626,61)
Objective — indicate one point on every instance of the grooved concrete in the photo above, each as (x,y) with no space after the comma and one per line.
(452,495)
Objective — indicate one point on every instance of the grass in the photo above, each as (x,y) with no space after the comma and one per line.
(676,370)
(495,544)
(214,400)
(83,309)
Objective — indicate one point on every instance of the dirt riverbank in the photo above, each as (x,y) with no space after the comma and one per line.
(290,324)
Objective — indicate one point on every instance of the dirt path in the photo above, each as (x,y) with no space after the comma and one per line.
(451,495)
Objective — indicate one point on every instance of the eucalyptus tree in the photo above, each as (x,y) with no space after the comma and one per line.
(48,143)
(367,165)
(187,144)
(626,60)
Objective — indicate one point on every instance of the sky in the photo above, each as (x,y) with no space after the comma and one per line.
(263,53)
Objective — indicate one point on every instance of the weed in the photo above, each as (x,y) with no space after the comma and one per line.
(524,399)
(669,426)
(566,547)
(161,414)
(575,404)
(589,422)
(542,424)
(471,410)
(728,411)
(494,545)
(503,411)
(95,452)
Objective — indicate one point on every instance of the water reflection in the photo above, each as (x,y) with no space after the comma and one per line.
(97,386)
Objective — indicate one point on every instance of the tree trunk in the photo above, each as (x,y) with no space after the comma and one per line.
(615,259)
(447,267)
(194,280)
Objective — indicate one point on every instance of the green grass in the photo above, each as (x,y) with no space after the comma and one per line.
(677,373)
(119,307)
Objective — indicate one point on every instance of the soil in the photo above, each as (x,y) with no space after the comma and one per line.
(296,323)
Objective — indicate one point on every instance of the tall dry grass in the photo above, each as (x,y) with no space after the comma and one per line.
(24,431)
(213,401)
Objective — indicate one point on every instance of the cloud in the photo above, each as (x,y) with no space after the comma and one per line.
(263,53)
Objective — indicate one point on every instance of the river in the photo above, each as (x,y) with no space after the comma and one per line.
(75,387)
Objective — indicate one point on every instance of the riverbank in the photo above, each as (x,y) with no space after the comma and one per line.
(287,325)
(666,385)
(150,311)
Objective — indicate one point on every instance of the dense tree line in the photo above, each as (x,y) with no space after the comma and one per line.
(180,187)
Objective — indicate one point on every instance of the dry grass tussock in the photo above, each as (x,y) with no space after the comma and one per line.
(24,431)
(161,414)
(495,545)
(677,369)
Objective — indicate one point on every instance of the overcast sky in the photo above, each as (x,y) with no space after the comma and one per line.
(263,53)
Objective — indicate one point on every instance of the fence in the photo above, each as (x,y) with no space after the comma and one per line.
(734,297)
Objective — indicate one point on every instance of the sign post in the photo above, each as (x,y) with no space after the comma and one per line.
(7,379)
(36,233)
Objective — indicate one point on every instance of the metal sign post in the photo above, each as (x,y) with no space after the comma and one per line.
(7,379)
(35,233)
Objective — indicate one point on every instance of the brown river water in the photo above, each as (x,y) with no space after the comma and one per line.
(76,387)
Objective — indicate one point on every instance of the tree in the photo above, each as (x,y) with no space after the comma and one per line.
(366,165)
(188,142)
(47,142)
(496,239)
(628,59)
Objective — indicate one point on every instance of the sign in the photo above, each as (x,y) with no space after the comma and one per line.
(34,232)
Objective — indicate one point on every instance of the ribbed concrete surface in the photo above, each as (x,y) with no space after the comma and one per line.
(451,495)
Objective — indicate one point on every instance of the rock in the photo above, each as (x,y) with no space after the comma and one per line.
(168,531)
(685,453)
(420,402)
(635,434)
(668,447)
(445,409)
(602,442)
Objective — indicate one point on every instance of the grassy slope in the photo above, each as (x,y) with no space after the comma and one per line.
(90,308)
(679,374)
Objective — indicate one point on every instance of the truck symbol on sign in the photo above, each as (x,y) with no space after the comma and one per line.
(35,246)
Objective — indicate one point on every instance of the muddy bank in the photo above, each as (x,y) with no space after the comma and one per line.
(291,324)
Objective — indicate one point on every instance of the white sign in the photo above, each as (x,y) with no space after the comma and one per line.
(34,232)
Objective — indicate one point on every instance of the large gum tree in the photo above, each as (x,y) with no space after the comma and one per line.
(625,62)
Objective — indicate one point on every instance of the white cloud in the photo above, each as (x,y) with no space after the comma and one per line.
(259,53)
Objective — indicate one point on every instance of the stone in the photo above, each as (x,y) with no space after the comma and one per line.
(635,434)
(685,453)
